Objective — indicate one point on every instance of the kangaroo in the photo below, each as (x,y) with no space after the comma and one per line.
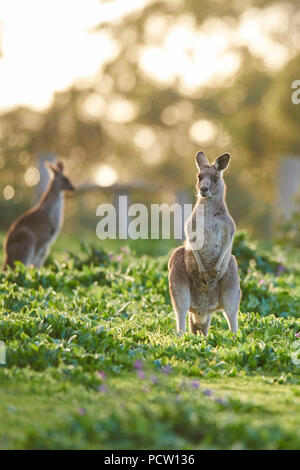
(204,280)
(30,237)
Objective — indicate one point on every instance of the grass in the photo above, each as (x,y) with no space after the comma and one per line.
(94,362)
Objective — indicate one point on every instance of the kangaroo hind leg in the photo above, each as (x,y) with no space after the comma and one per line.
(230,294)
(20,247)
(179,289)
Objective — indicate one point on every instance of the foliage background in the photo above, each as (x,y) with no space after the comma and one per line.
(141,125)
(94,362)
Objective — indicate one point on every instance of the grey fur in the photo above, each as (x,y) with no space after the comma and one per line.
(203,281)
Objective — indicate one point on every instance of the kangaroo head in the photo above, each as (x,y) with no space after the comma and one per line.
(210,181)
(63,183)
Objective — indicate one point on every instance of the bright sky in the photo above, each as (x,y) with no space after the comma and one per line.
(48,44)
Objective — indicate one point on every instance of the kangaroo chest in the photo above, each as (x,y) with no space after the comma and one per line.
(213,231)
(52,221)
(56,216)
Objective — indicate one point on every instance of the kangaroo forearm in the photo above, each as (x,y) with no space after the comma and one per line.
(223,253)
(221,257)
(199,261)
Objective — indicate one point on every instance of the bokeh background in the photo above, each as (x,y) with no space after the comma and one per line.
(126,91)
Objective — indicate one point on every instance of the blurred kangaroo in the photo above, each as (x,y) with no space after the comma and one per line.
(30,237)
(204,280)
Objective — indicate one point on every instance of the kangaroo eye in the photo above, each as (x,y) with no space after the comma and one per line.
(216,179)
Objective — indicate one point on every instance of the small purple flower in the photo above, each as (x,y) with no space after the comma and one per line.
(195,384)
(138,364)
(119,258)
(125,250)
(81,411)
(297,335)
(141,374)
(166,369)
(208,392)
(221,401)
(153,379)
(261,281)
(280,269)
(102,374)
(102,389)
(111,256)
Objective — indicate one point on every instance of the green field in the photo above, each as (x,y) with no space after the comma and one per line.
(94,361)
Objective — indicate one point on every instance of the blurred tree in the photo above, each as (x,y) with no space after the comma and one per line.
(144,124)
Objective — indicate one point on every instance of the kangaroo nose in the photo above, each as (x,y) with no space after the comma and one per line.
(204,191)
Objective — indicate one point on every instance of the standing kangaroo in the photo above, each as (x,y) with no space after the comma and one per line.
(30,237)
(204,280)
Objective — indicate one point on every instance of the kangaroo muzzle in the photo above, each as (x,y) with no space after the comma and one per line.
(205,189)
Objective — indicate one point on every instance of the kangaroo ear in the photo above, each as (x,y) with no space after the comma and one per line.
(201,160)
(222,162)
(50,166)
